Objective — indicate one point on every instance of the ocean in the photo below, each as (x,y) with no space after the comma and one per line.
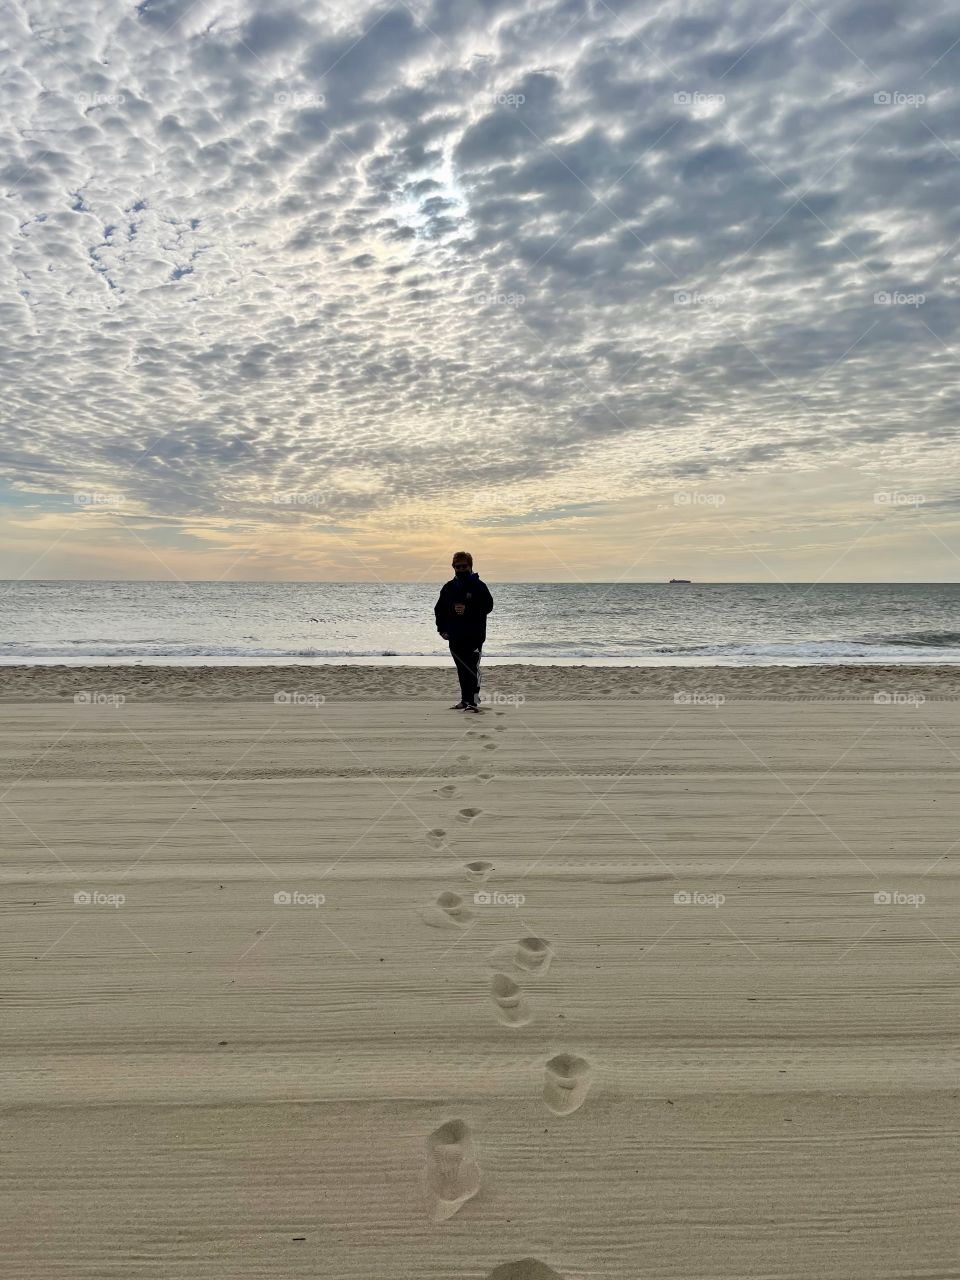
(643,624)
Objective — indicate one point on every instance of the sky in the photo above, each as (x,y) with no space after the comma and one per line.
(596,291)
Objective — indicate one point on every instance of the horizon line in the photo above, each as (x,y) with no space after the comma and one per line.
(518,582)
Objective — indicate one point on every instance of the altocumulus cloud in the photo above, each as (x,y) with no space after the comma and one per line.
(578,247)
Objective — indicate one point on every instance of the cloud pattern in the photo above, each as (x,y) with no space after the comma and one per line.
(561,252)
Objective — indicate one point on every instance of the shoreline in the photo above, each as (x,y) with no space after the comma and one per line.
(512,684)
(919,658)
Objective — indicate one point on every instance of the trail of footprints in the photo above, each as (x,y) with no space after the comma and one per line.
(451,1175)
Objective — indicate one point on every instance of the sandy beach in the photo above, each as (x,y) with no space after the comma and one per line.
(510,683)
(640,973)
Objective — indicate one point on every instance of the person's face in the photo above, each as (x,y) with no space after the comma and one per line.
(461,566)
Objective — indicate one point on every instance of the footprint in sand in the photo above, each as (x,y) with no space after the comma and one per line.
(436,838)
(484,777)
(499,728)
(489,746)
(533,955)
(452,1175)
(478,871)
(468,815)
(508,1001)
(525,1269)
(566,1083)
(448,790)
(530,955)
(448,912)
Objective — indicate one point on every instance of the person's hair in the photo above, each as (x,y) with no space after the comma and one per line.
(464,555)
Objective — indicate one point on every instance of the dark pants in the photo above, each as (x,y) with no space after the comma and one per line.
(467,658)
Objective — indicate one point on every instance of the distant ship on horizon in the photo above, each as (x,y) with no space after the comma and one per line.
(687,580)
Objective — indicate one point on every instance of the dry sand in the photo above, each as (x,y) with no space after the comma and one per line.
(201,1082)
(507,680)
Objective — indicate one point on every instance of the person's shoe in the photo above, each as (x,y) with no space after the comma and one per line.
(471,706)
(459,706)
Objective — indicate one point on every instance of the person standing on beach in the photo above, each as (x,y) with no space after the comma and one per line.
(461,614)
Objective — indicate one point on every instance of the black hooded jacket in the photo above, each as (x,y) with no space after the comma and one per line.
(470,627)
